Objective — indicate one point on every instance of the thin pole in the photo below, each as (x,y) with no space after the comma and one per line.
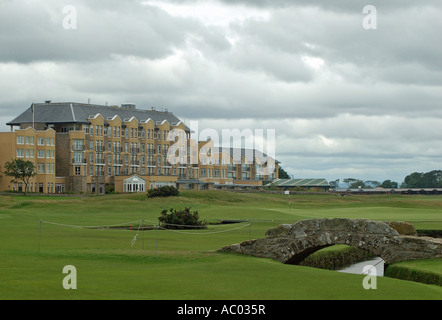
(250,231)
(142,231)
(39,236)
(156,242)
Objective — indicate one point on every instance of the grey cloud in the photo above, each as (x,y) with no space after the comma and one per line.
(372,109)
(35,32)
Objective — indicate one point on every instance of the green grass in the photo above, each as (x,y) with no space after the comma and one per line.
(424,271)
(185,264)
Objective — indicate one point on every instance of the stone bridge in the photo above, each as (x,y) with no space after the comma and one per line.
(292,243)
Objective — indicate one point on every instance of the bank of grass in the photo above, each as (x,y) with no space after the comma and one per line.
(427,271)
(185,265)
(336,257)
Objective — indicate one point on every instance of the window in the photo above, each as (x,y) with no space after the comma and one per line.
(77,170)
(41,168)
(20,140)
(134,184)
(41,154)
(40,141)
(78,157)
(20,153)
(78,144)
(27,139)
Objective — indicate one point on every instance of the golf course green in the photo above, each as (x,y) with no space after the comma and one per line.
(40,235)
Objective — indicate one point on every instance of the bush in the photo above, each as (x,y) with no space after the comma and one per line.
(181,219)
(164,191)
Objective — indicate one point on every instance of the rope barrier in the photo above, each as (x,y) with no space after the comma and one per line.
(90,227)
(382,260)
(156,226)
(135,238)
(204,233)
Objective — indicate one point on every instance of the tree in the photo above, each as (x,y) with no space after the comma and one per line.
(432,179)
(20,170)
(181,219)
(164,191)
(334,184)
(282,174)
(358,184)
(349,181)
(372,183)
(388,184)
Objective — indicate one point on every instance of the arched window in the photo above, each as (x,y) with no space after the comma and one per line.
(134,184)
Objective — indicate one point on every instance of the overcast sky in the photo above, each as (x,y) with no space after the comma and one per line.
(345,100)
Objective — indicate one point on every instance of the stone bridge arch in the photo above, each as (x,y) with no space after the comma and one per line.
(292,243)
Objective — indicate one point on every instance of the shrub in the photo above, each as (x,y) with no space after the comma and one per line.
(181,219)
(164,191)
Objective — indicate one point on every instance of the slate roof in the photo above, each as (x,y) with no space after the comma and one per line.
(300,183)
(72,112)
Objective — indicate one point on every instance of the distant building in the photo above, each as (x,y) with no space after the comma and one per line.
(379,190)
(292,184)
(87,148)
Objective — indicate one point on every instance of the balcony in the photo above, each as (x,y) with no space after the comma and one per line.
(151,163)
(118,162)
(78,161)
(78,147)
(118,149)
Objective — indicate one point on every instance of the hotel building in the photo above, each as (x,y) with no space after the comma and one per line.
(86,148)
